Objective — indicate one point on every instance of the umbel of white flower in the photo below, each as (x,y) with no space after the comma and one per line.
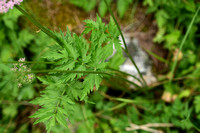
(21,72)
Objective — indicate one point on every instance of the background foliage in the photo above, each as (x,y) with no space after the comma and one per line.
(114,106)
(88,5)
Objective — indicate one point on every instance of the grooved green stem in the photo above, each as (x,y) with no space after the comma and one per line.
(125,45)
(89,72)
(31,62)
(35,62)
(182,43)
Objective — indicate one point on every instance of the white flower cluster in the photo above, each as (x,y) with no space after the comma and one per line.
(22,77)
(5,5)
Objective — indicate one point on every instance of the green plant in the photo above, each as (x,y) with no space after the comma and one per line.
(59,97)
(82,60)
(70,68)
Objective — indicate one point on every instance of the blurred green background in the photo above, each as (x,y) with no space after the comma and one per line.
(168,20)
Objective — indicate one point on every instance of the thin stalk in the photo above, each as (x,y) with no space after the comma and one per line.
(117,106)
(31,62)
(35,62)
(28,62)
(111,109)
(66,71)
(126,74)
(156,56)
(89,72)
(137,86)
(125,45)
(124,100)
(46,71)
(36,23)
(167,81)
(182,43)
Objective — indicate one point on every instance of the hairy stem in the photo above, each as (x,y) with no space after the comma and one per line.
(35,62)
(125,45)
(89,72)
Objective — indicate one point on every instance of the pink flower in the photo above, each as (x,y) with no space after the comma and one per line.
(5,5)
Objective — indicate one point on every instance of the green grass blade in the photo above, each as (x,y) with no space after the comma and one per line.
(182,44)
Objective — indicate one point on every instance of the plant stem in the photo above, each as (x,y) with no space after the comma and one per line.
(125,74)
(124,100)
(125,45)
(28,62)
(31,62)
(182,43)
(36,23)
(156,56)
(111,109)
(89,72)
(167,81)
